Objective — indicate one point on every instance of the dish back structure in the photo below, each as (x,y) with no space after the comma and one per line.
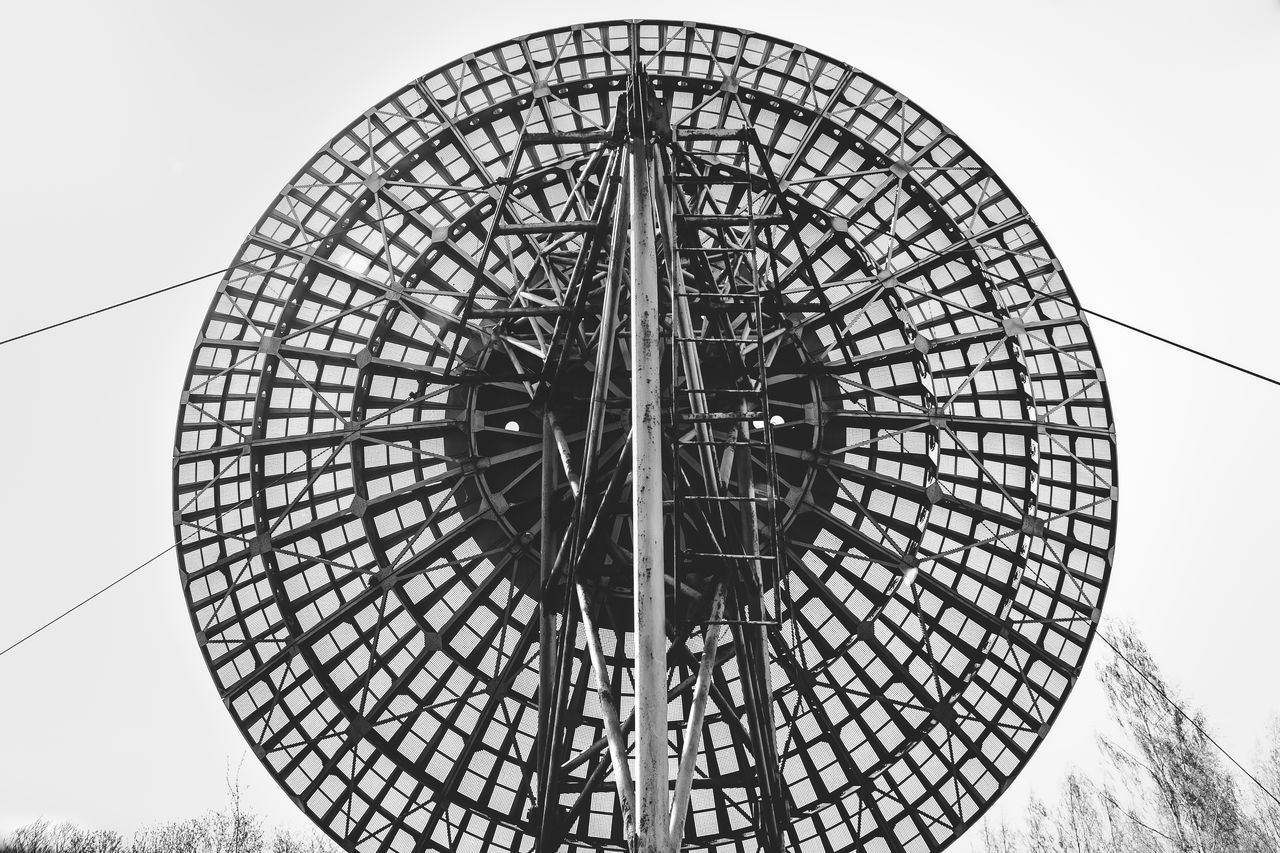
(645,434)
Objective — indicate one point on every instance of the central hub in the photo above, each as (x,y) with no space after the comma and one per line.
(502,432)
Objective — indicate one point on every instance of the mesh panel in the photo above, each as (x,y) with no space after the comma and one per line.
(358,525)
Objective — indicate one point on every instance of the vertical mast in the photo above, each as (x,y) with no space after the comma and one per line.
(651,775)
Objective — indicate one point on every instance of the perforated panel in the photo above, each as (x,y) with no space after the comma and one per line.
(355,483)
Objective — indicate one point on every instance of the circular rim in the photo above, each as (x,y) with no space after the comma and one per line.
(243,423)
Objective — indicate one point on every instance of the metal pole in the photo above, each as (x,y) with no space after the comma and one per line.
(757,659)
(546,626)
(613,730)
(693,729)
(605,345)
(651,775)
(608,707)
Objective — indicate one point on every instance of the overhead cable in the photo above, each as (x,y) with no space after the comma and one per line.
(364,223)
(85,601)
(55,620)
(1182,347)
(1186,716)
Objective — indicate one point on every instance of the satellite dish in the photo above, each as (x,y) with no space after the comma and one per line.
(649,434)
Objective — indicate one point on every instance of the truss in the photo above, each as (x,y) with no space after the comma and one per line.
(645,435)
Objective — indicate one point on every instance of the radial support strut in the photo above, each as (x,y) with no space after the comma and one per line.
(651,777)
(546,626)
(693,728)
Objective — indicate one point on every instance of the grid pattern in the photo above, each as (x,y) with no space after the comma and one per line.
(355,473)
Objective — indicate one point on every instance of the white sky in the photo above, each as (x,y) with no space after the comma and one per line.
(143,139)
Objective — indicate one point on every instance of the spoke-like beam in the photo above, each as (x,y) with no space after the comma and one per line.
(546,618)
(609,712)
(693,727)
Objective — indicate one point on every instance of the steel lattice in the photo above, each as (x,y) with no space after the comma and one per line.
(358,461)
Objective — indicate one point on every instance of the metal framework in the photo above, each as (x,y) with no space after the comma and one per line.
(645,435)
